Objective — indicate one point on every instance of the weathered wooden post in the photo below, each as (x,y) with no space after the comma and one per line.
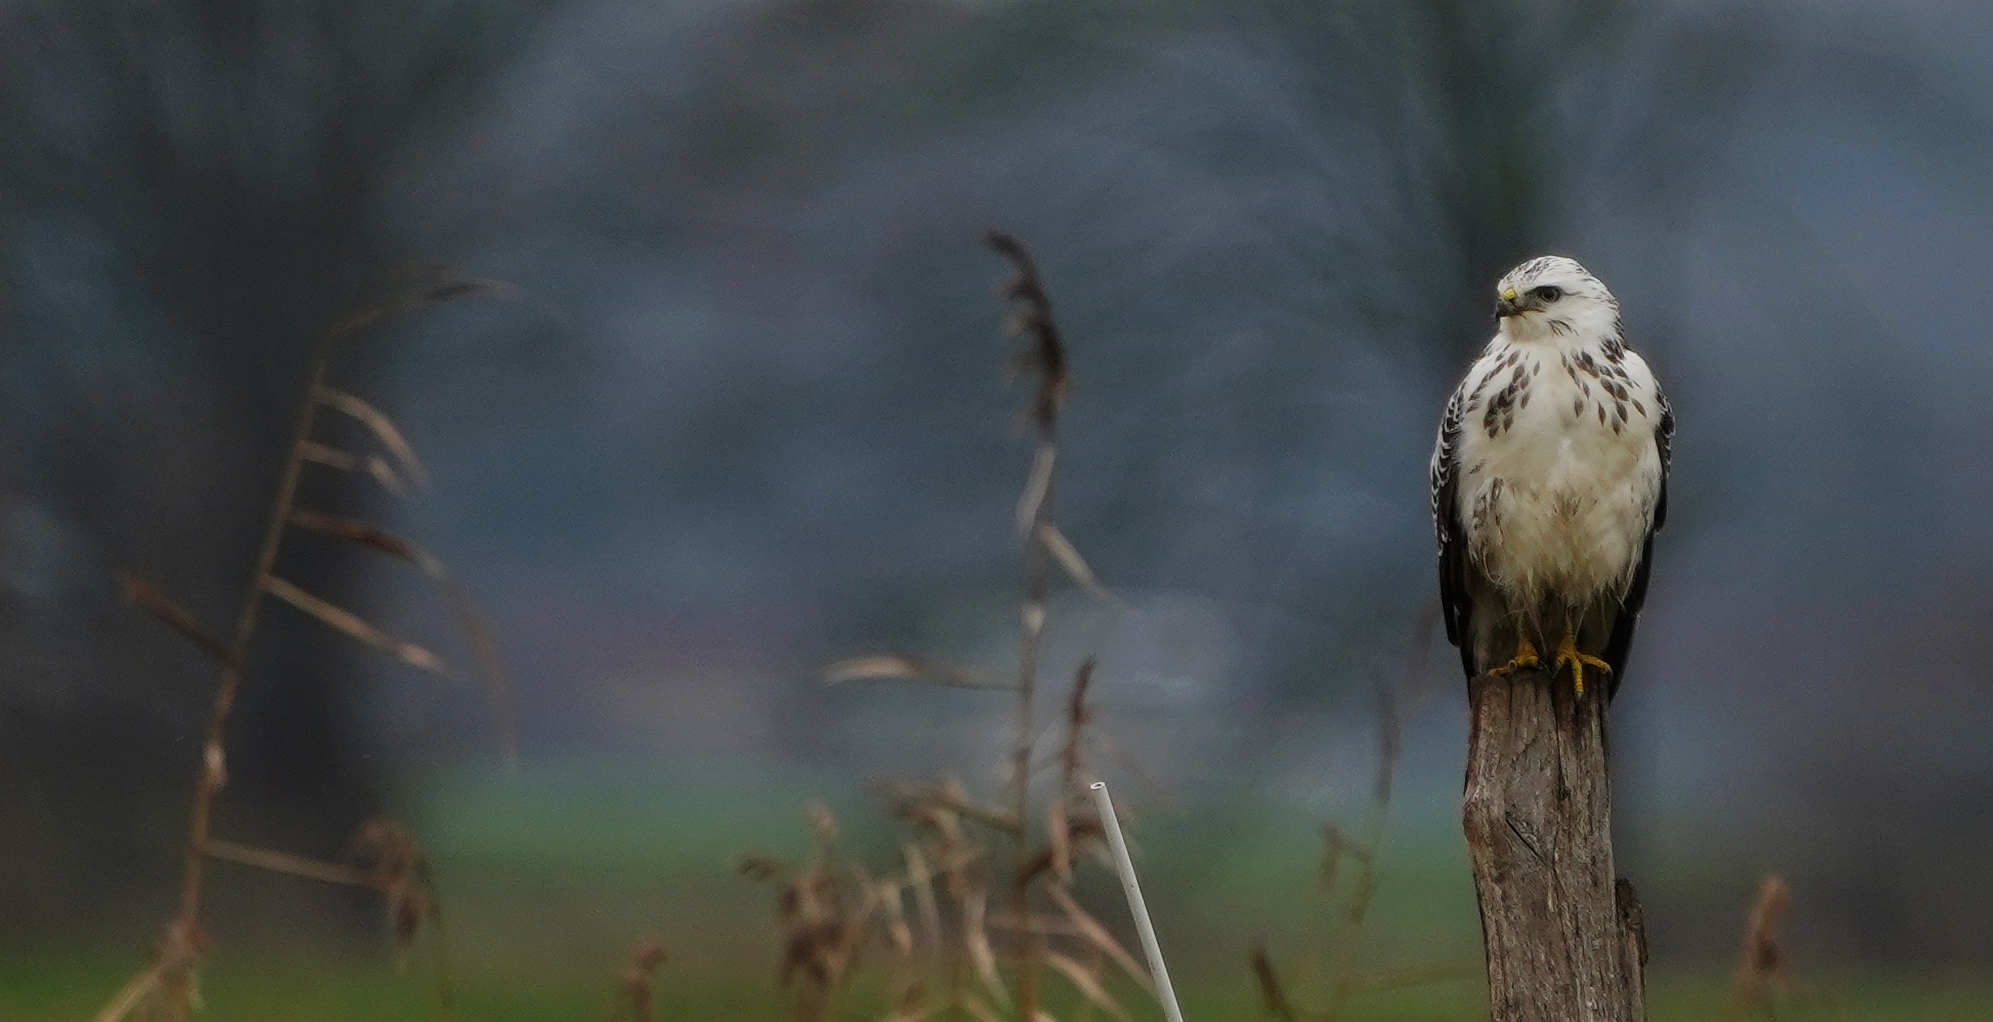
(1564,936)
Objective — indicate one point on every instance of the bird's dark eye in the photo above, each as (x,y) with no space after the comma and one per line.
(1548,292)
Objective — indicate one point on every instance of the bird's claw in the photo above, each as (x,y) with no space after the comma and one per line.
(1567,653)
(1525,657)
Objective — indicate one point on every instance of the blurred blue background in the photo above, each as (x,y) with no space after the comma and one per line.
(749,416)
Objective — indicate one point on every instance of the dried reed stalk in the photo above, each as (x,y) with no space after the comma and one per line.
(1044,357)
(636,997)
(168,984)
(944,864)
(1764,974)
(827,910)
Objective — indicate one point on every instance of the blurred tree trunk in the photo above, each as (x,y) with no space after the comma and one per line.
(1563,934)
(192,192)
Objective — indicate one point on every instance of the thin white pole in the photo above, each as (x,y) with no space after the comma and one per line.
(1136,906)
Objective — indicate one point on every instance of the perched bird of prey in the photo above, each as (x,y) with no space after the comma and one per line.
(1549,480)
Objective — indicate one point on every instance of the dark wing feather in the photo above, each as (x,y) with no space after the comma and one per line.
(1636,594)
(1455,601)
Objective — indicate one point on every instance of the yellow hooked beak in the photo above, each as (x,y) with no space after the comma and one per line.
(1507,307)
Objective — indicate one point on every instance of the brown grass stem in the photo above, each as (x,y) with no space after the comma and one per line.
(1763,978)
(973,865)
(294,865)
(168,983)
(213,749)
(1045,358)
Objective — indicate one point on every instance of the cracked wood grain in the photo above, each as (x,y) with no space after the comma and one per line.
(1562,932)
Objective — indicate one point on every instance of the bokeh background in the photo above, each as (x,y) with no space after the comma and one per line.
(748,418)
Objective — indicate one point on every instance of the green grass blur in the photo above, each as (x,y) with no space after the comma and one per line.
(549,878)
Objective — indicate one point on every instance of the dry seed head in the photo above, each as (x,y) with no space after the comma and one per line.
(1045,355)
(1763,972)
(398,868)
(636,1000)
(1078,712)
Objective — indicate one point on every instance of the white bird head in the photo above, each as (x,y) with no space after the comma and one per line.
(1553,298)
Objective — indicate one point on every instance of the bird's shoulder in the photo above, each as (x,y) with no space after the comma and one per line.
(1448,440)
(1446,445)
(1642,376)
(1636,367)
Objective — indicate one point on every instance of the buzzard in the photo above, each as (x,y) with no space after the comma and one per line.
(1549,480)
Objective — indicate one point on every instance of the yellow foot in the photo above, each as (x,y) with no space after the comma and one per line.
(1567,653)
(1525,657)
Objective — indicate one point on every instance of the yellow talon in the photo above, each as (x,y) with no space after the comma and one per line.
(1525,657)
(1567,653)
